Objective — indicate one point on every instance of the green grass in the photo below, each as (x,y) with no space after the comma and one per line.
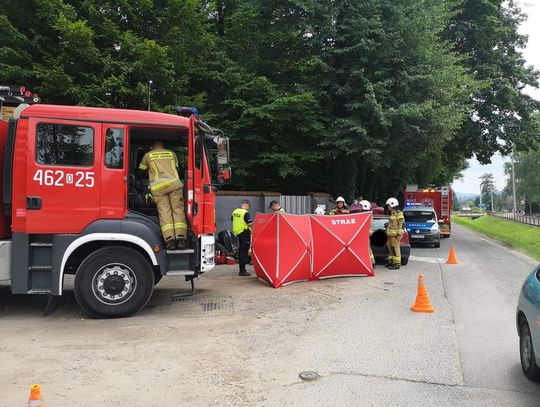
(517,235)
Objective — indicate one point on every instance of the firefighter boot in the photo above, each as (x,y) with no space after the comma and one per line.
(169,245)
(181,243)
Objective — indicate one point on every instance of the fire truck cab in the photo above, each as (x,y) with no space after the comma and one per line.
(73,203)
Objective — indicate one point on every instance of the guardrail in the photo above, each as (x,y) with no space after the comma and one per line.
(528,220)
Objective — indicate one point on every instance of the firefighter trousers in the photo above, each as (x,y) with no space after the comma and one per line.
(394,250)
(172,218)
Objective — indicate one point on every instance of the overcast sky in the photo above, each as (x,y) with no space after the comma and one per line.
(531,27)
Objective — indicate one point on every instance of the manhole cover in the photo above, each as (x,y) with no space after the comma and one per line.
(308,375)
(204,306)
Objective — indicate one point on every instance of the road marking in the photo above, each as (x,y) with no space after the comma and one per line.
(433,260)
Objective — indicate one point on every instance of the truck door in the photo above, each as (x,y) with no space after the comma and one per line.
(63,176)
(114,181)
(195,200)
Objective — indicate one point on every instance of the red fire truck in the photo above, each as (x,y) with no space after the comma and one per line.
(73,203)
(439,198)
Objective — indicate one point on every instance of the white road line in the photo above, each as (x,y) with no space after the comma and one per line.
(433,260)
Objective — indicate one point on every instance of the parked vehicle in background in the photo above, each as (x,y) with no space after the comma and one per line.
(439,198)
(378,241)
(528,325)
(422,224)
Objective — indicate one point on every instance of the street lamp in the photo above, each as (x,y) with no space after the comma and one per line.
(513,182)
(149,89)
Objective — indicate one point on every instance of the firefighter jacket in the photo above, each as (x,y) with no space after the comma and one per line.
(395,224)
(239,223)
(161,166)
(337,211)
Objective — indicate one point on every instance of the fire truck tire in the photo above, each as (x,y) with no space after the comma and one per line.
(113,282)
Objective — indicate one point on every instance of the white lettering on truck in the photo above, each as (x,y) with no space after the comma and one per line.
(60,178)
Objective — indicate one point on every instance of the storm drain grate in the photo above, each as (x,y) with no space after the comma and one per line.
(209,306)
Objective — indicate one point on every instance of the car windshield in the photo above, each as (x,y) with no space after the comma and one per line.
(378,223)
(419,216)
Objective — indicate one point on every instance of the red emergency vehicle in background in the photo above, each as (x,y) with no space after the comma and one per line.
(73,204)
(439,198)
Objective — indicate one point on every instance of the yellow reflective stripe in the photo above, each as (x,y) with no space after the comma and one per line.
(161,184)
(166,227)
(143,167)
(180,225)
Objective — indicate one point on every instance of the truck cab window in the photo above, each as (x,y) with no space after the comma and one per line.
(65,145)
(114,149)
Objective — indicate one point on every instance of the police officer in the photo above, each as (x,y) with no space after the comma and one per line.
(166,189)
(241,223)
(394,231)
(275,206)
(340,207)
(366,207)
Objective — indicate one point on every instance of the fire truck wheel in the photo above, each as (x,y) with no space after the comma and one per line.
(114,282)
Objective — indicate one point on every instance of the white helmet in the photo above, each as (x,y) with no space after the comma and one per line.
(366,206)
(319,210)
(340,199)
(392,202)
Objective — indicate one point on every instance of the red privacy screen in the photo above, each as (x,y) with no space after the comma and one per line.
(289,248)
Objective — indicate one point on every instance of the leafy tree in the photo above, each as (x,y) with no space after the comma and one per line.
(486,31)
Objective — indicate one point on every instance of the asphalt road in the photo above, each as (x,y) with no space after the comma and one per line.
(239,342)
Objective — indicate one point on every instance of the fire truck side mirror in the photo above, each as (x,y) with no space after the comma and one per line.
(225,174)
(222,151)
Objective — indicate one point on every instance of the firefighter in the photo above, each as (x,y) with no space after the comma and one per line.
(166,190)
(340,207)
(394,231)
(275,206)
(241,224)
(366,207)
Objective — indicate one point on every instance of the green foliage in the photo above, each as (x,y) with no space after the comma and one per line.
(353,97)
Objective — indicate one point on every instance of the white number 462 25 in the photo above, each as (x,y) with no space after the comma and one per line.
(58,178)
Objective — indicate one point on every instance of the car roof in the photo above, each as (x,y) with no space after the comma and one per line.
(104,115)
(419,208)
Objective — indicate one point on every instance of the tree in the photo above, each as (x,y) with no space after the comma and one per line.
(487,188)
(501,119)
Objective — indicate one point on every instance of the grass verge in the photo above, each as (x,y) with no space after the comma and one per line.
(522,237)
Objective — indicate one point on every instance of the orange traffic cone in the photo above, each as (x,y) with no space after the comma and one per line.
(452,256)
(35,396)
(422,303)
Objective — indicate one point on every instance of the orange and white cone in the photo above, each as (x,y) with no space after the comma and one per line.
(452,256)
(422,303)
(35,396)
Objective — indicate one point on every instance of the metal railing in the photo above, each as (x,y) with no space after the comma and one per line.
(526,219)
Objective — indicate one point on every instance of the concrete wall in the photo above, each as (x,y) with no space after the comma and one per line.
(228,201)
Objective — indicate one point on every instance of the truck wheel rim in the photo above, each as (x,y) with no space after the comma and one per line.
(526,349)
(114,284)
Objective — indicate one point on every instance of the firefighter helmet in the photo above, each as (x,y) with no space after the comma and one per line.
(319,210)
(366,206)
(340,199)
(392,202)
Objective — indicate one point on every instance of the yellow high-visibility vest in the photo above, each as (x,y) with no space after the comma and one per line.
(238,222)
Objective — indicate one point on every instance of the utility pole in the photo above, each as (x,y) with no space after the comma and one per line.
(491,200)
(513,183)
(149,89)
(480,199)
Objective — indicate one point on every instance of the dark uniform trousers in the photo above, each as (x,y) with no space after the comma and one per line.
(244,240)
